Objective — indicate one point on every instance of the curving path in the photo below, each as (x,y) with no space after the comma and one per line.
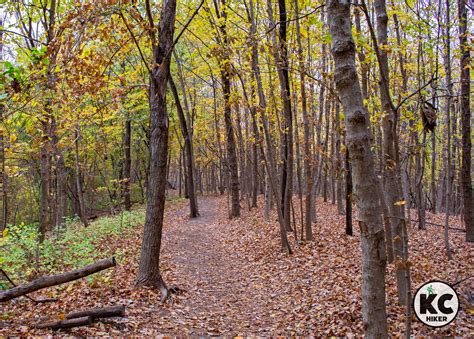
(218,296)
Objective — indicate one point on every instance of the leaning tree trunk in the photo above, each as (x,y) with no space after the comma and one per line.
(188,147)
(466,182)
(149,269)
(363,170)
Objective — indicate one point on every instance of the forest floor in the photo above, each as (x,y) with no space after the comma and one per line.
(234,280)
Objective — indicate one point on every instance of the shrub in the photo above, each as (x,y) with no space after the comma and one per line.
(24,258)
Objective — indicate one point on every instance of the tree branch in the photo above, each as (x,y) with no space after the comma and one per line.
(151,23)
(23,36)
(415,93)
(135,40)
(185,27)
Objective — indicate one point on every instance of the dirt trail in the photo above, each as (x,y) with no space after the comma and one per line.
(218,290)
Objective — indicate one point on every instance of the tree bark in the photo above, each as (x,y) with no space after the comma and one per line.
(268,157)
(280,54)
(61,187)
(308,168)
(149,269)
(449,163)
(349,230)
(45,169)
(3,174)
(226,74)
(392,184)
(94,313)
(188,147)
(466,175)
(80,195)
(359,141)
(338,163)
(127,163)
(57,279)
(56,325)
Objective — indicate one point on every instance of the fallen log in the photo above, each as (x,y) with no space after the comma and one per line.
(94,313)
(38,301)
(58,279)
(56,325)
(438,225)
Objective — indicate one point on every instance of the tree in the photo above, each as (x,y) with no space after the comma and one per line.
(225,67)
(127,162)
(3,174)
(191,190)
(450,174)
(280,55)
(362,161)
(392,182)
(308,168)
(268,156)
(149,270)
(466,181)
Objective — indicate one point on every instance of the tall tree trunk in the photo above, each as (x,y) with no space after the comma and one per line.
(191,189)
(450,171)
(241,151)
(61,188)
(45,170)
(338,166)
(3,174)
(149,268)
(363,166)
(80,195)
(419,157)
(348,194)
(268,157)
(299,178)
(255,161)
(226,74)
(325,158)
(281,59)
(308,171)
(127,162)
(392,184)
(433,173)
(466,175)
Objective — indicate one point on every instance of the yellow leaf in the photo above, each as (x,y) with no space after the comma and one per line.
(400,203)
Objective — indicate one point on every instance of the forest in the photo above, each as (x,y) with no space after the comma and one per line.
(236,168)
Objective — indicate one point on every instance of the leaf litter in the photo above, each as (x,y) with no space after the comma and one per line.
(232,279)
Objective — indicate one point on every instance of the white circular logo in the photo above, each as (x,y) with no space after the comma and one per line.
(436,304)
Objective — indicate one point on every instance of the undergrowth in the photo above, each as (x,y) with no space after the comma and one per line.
(24,258)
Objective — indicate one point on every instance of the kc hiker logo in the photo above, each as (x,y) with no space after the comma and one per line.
(436,304)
